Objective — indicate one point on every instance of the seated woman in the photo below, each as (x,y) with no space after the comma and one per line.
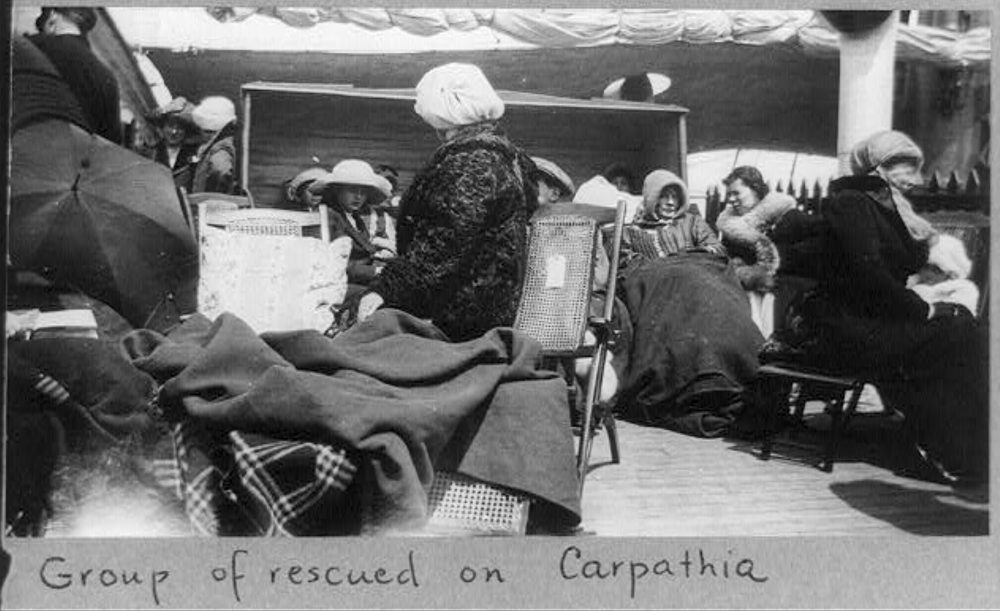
(666,225)
(929,361)
(462,231)
(745,224)
(694,344)
(349,189)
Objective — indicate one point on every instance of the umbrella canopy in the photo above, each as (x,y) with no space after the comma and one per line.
(92,215)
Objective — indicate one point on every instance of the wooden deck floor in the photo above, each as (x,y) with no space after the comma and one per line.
(669,484)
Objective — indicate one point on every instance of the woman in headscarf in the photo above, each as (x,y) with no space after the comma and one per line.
(694,345)
(928,360)
(666,225)
(462,230)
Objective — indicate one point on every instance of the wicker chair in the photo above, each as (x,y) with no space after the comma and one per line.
(191,204)
(242,250)
(555,304)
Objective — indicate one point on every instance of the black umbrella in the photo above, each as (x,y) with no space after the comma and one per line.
(92,215)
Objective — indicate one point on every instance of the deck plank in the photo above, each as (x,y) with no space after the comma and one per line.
(670,485)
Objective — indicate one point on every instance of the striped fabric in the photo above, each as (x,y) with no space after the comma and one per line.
(52,389)
(288,478)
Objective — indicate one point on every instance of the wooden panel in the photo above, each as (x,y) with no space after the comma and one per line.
(731,89)
(292,131)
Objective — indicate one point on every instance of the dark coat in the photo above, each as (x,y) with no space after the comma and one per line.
(215,165)
(462,236)
(936,371)
(92,82)
(361,265)
(872,252)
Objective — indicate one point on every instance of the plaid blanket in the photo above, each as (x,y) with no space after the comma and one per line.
(246,484)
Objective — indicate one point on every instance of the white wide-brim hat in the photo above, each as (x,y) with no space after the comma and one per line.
(659,83)
(351,172)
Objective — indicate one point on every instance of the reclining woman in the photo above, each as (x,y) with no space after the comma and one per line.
(929,361)
(695,345)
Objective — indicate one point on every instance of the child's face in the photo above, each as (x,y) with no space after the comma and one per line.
(307,197)
(351,197)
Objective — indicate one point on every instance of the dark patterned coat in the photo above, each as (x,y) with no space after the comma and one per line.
(462,235)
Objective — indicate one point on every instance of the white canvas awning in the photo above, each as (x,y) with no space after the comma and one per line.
(409,30)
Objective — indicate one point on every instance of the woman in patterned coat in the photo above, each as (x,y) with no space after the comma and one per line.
(462,228)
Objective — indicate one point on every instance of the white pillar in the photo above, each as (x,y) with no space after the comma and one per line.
(867,60)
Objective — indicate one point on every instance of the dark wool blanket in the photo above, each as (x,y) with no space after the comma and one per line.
(694,343)
(390,388)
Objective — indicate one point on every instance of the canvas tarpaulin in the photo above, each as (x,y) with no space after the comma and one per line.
(594,27)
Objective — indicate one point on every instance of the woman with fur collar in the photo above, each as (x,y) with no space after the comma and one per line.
(667,226)
(746,223)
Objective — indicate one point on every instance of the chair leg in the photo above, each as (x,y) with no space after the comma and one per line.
(800,408)
(609,424)
(836,409)
(589,402)
(771,394)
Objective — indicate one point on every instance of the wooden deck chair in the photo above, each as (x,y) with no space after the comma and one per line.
(555,303)
(243,250)
(783,386)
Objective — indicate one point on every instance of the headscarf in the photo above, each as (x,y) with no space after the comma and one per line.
(881,147)
(872,153)
(213,113)
(655,182)
(456,94)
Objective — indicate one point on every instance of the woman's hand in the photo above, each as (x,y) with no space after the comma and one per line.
(368,304)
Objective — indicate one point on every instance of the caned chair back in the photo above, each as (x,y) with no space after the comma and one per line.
(555,297)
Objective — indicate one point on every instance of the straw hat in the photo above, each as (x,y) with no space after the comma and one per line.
(384,187)
(305,176)
(178,108)
(352,172)
(658,83)
(556,173)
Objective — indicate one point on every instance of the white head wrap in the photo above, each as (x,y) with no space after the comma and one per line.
(456,94)
(213,113)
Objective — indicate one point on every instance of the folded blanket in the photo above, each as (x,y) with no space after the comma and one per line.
(391,388)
